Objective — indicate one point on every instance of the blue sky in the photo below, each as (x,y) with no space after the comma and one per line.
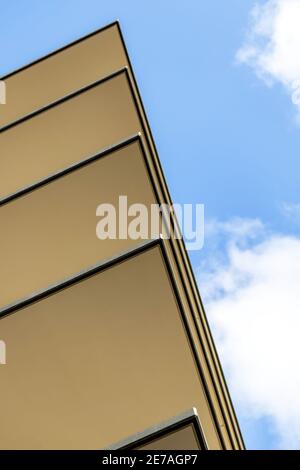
(227,134)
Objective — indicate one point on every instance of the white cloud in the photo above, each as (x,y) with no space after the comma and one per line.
(253,303)
(239,229)
(272,45)
(291,211)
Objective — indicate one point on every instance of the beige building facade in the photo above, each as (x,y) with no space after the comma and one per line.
(108,345)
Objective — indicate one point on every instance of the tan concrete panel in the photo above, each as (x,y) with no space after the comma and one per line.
(181,432)
(181,439)
(50,233)
(99,360)
(57,75)
(94,119)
